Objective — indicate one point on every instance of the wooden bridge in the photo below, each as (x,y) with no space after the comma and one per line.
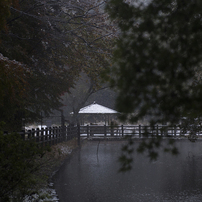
(136,131)
(54,135)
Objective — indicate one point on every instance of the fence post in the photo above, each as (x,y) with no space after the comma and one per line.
(42,136)
(53,137)
(122,130)
(46,136)
(37,135)
(65,133)
(162,130)
(145,131)
(29,134)
(50,136)
(33,134)
(165,131)
(153,128)
(175,129)
(105,130)
(157,130)
(68,132)
(78,134)
(59,134)
(56,134)
(112,129)
(87,128)
(139,131)
(23,134)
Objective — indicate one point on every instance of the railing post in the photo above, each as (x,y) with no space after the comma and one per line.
(23,134)
(65,133)
(175,129)
(46,136)
(153,129)
(33,134)
(162,130)
(68,132)
(42,136)
(59,134)
(78,134)
(37,135)
(105,130)
(139,131)
(71,132)
(157,130)
(50,136)
(56,134)
(146,131)
(87,128)
(122,132)
(29,134)
(166,131)
(53,137)
(112,129)
(66,128)
(91,130)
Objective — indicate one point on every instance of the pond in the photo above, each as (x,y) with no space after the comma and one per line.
(91,175)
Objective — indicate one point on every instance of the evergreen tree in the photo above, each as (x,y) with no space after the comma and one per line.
(157,61)
(56,40)
(157,66)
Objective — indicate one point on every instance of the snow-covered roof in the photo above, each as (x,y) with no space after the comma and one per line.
(96,109)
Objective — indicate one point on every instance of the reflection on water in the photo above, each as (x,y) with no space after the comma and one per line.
(91,175)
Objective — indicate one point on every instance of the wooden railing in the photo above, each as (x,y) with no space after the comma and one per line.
(138,131)
(54,135)
(50,136)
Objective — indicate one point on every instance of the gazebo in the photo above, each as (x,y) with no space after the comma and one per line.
(96,109)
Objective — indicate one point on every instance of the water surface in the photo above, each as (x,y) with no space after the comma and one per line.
(91,174)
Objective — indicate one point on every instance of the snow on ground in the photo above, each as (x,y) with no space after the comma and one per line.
(49,194)
(65,149)
(44,195)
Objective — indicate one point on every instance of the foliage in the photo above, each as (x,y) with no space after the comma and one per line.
(94,46)
(55,40)
(156,58)
(5,11)
(31,41)
(157,62)
(84,90)
(13,86)
(17,165)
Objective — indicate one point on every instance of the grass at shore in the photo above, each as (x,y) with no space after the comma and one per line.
(48,165)
(52,160)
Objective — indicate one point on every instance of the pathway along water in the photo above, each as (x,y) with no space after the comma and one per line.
(90,175)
